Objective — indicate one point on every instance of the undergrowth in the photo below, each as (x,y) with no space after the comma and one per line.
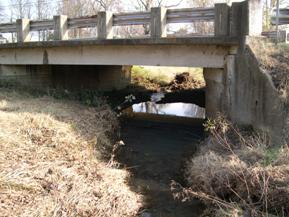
(237,173)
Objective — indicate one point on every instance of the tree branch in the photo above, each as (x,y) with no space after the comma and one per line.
(175,5)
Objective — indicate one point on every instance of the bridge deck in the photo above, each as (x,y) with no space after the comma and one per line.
(194,52)
(207,40)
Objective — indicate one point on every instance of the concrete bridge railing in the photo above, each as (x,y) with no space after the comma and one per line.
(282,35)
(283,18)
(229,21)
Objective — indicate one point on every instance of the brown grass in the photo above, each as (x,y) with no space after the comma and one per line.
(167,78)
(274,59)
(238,172)
(50,160)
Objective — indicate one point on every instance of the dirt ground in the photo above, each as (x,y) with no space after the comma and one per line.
(154,155)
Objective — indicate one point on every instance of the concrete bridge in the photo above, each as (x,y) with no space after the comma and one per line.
(235,85)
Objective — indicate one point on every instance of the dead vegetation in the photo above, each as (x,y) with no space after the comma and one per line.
(238,173)
(182,81)
(185,81)
(50,160)
(274,59)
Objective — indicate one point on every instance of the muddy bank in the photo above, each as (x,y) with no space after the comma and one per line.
(155,154)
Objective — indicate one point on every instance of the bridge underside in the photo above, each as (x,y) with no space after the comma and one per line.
(104,65)
(70,77)
(100,65)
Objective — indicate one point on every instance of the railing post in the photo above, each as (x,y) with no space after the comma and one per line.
(158,23)
(60,27)
(23,30)
(222,19)
(236,21)
(255,16)
(104,25)
(246,18)
(286,36)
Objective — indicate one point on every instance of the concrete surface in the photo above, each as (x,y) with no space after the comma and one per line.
(247,96)
(103,78)
(157,55)
(255,100)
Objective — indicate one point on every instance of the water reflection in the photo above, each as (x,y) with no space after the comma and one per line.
(174,109)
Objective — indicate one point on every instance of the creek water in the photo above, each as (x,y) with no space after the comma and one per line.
(155,154)
(179,109)
(158,140)
(177,112)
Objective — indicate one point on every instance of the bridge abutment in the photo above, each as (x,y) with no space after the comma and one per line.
(247,96)
(214,91)
(71,77)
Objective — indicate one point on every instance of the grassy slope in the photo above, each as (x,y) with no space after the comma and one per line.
(274,59)
(239,173)
(49,164)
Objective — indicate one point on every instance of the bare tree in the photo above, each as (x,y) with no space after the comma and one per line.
(202,28)
(146,5)
(1,12)
(80,8)
(20,9)
(42,10)
(105,4)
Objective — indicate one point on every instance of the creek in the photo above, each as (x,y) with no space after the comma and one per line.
(158,139)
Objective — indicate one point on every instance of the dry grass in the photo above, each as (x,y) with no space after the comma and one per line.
(50,163)
(274,59)
(156,77)
(239,173)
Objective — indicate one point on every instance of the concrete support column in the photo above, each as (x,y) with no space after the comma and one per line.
(214,91)
(222,89)
(104,25)
(23,30)
(236,19)
(158,23)
(230,85)
(60,27)
(286,36)
(222,14)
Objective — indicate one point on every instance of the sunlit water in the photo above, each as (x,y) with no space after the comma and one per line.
(173,109)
